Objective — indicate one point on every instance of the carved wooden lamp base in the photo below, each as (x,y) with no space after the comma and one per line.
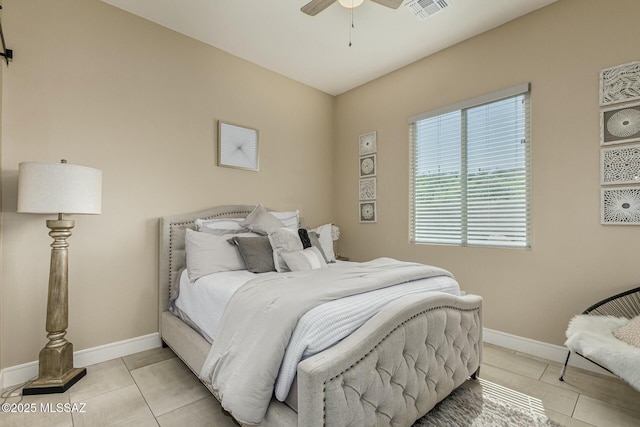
(55,385)
(56,371)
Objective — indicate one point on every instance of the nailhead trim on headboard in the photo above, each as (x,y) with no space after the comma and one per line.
(188,221)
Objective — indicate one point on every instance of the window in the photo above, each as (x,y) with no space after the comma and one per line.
(470,172)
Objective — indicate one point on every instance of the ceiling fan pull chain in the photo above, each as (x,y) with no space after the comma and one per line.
(351,27)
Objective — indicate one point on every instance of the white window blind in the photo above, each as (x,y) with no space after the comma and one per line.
(470,172)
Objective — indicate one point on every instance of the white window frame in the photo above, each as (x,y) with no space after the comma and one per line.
(523,89)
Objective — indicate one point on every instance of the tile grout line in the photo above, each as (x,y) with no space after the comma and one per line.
(140,391)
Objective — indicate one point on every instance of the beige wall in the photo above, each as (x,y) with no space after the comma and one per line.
(574,260)
(106,89)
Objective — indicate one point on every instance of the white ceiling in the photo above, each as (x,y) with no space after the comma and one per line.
(315,50)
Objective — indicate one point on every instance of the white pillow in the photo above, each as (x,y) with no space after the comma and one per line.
(306,259)
(220,226)
(283,240)
(290,219)
(261,221)
(208,254)
(326,241)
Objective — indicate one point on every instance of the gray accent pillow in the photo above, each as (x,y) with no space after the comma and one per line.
(306,259)
(326,240)
(256,253)
(261,221)
(315,242)
(283,240)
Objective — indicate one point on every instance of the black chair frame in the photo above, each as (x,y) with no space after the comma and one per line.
(625,304)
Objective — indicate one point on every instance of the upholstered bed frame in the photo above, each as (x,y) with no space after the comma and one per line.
(391,371)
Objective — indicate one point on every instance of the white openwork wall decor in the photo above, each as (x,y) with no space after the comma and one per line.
(368,166)
(620,124)
(621,205)
(368,211)
(367,143)
(620,165)
(368,169)
(620,83)
(367,189)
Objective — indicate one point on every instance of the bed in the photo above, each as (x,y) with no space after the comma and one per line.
(390,371)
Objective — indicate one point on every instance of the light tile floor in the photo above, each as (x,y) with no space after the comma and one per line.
(154,388)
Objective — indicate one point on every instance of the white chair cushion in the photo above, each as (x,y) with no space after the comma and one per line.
(592,337)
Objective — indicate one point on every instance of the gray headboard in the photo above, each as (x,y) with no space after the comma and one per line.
(172,256)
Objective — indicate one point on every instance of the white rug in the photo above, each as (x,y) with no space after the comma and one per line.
(495,406)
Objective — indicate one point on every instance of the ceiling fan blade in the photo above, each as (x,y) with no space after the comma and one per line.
(393,4)
(316,6)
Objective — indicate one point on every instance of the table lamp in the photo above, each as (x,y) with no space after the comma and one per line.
(58,188)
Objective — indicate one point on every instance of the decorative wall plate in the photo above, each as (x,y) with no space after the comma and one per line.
(621,205)
(620,124)
(368,166)
(368,211)
(368,143)
(620,165)
(237,146)
(367,189)
(620,83)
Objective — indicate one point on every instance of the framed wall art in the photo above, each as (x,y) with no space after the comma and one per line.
(367,189)
(620,83)
(620,165)
(620,124)
(620,205)
(237,146)
(367,143)
(368,166)
(368,211)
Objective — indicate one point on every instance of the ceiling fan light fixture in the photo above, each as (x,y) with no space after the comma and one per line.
(350,4)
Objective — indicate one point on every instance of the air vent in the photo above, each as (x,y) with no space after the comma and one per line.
(423,9)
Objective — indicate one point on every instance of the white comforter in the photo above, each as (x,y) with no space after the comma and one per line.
(325,325)
(320,328)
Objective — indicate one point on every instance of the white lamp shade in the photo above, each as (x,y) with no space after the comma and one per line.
(51,188)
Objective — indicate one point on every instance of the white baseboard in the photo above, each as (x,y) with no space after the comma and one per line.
(541,349)
(14,375)
(18,374)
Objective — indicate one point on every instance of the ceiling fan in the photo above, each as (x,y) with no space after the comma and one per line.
(316,6)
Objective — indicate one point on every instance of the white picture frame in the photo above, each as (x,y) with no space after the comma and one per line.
(620,206)
(368,166)
(620,124)
(237,146)
(368,143)
(367,189)
(368,211)
(620,165)
(620,83)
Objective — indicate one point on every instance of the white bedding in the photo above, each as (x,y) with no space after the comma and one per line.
(321,327)
(205,299)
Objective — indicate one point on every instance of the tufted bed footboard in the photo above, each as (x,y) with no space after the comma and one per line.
(389,372)
(396,367)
